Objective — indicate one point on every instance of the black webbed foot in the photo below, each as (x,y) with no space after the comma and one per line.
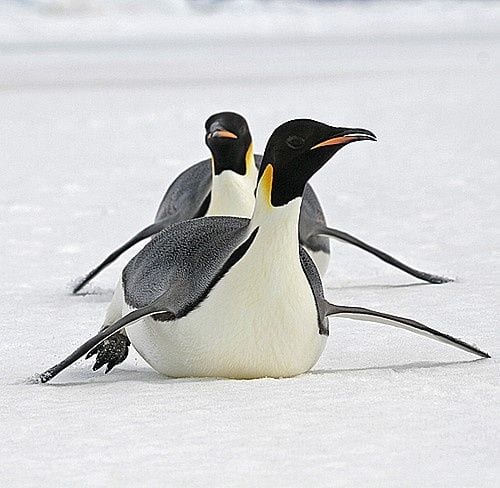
(111,351)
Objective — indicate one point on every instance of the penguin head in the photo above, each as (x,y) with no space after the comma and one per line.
(296,150)
(229,140)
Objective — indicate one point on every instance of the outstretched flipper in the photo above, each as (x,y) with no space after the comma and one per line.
(345,237)
(98,338)
(358,313)
(143,234)
(188,197)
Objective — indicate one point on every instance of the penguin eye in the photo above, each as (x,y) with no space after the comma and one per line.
(295,142)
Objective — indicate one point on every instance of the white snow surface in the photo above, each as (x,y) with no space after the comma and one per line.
(93,129)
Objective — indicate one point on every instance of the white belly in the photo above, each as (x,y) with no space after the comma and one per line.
(259,320)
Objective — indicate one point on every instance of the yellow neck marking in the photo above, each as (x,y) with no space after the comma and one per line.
(249,159)
(266,184)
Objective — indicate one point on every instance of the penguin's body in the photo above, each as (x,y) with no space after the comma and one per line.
(224,185)
(246,300)
(205,339)
(239,298)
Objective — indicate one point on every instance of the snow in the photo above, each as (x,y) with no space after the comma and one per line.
(96,122)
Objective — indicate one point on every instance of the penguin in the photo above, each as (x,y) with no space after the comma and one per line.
(224,185)
(240,298)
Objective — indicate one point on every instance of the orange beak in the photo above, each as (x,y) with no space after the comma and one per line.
(223,134)
(347,138)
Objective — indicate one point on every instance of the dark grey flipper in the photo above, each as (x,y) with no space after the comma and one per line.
(172,274)
(189,194)
(97,339)
(358,313)
(343,236)
(143,234)
(112,351)
(182,263)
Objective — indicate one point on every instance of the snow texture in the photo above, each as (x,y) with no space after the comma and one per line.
(101,110)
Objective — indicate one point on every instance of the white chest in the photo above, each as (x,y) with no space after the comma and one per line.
(232,194)
(259,320)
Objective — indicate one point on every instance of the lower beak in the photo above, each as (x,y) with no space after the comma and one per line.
(222,134)
(346,136)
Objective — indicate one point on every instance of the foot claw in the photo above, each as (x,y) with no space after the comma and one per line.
(91,353)
(111,352)
(98,365)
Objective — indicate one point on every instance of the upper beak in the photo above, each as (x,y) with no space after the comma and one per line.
(345,136)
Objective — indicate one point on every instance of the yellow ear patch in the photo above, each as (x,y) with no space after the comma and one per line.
(266,184)
(249,160)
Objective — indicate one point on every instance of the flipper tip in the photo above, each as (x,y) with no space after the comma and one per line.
(438,280)
(472,348)
(38,378)
(77,284)
(82,287)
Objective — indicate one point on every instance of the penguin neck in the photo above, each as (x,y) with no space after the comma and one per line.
(279,226)
(232,193)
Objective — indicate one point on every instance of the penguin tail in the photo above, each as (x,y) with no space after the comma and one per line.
(143,234)
(345,237)
(365,314)
(87,346)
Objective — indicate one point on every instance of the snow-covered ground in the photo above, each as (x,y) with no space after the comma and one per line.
(96,121)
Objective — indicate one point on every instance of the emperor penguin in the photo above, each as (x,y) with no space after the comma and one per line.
(240,298)
(224,185)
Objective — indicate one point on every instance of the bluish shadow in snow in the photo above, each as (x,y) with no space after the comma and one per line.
(377,286)
(397,367)
(102,297)
(141,375)
(94,294)
(149,376)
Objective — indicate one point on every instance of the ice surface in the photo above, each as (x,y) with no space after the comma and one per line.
(95,122)
(29,21)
